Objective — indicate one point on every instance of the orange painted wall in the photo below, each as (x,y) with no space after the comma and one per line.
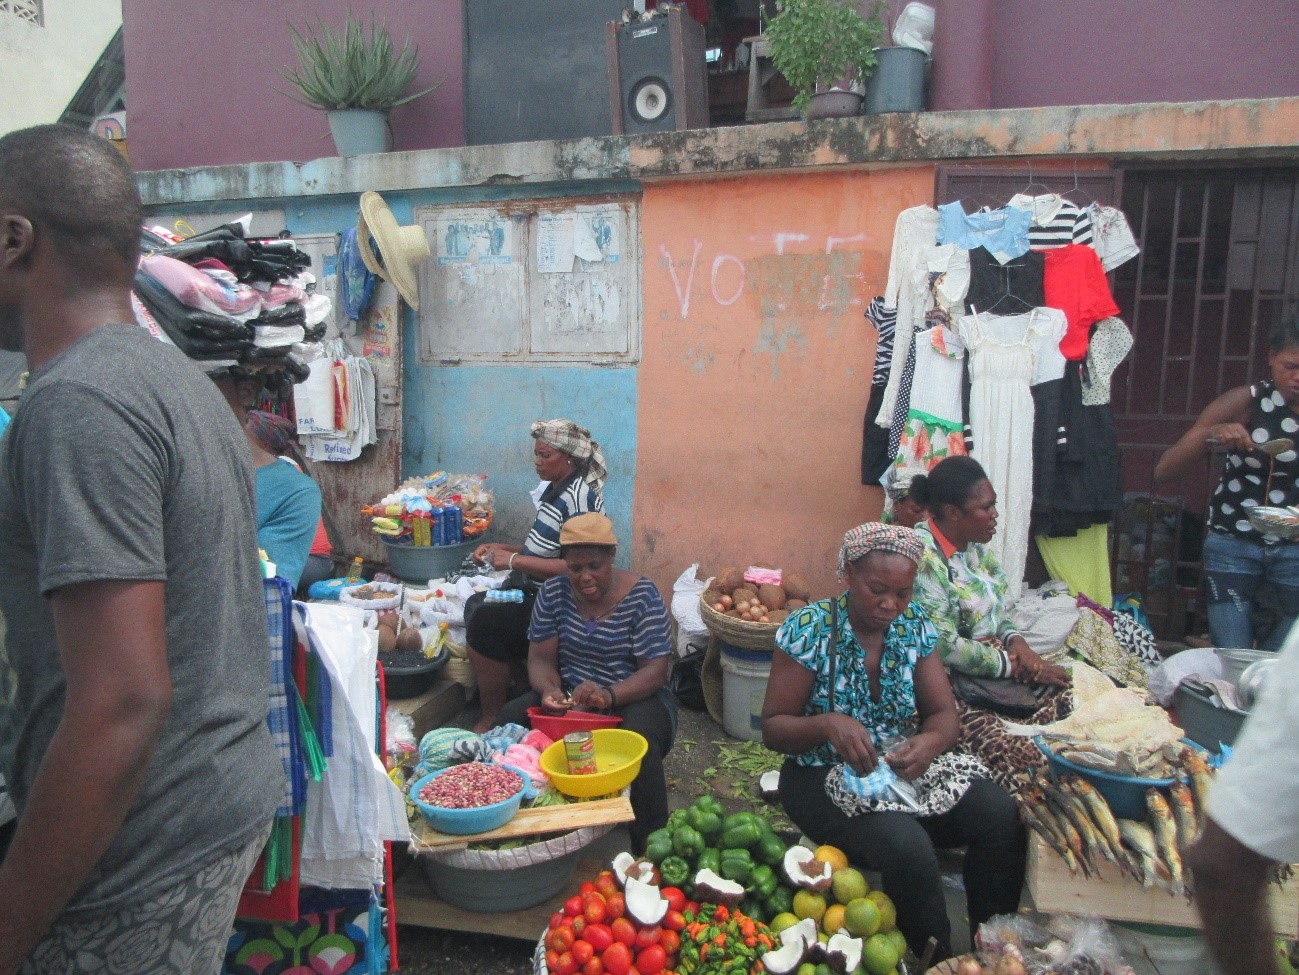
(756,366)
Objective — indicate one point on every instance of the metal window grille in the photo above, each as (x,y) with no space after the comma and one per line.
(31,11)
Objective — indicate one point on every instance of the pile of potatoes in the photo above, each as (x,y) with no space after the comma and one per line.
(733,596)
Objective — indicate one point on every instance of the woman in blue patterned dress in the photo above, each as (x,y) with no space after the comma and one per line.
(887,684)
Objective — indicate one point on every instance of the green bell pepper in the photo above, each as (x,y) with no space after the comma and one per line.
(711,859)
(686,842)
(712,805)
(707,822)
(763,881)
(678,817)
(740,831)
(754,908)
(737,865)
(658,845)
(674,871)
(781,901)
(770,849)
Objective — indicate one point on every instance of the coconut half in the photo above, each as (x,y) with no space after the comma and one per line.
(804,870)
(769,783)
(625,865)
(843,952)
(805,932)
(645,904)
(710,887)
(785,959)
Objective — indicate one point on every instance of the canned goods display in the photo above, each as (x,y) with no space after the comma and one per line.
(579,747)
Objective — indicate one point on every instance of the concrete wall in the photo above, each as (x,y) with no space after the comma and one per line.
(203,87)
(1088,52)
(43,66)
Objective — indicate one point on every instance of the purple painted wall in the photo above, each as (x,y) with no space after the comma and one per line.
(203,86)
(1095,52)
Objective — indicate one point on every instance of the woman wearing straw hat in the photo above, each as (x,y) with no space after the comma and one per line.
(571,467)
(599,641)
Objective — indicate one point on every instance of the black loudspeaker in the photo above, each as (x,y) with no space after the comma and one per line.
(658,80)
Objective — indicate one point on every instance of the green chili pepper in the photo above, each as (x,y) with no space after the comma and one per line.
(674,871)
(658,845)
(687,842)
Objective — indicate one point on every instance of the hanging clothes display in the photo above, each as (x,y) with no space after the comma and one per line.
(1010,287)
(875,456)
(1111,341)
(1001,415)
(1111,236)
(933,427)
(1074,282)
(1003,232)
(1055,221)
(913,233)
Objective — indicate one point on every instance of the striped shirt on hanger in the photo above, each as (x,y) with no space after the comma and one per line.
(1055,221)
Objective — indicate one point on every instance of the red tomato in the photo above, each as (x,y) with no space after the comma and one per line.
(652,960)
(594,967)
(648,936)
(617,905)
(578,924)
(552,959)
(562,938)
(674,921)
(573,906)
(594,909)
(556,920)
(606,883)
(692,907)
(582,952)
(617,959)
(599,936)
(565,965)
(671,942)
(675,897)
(586,888)
(623,931)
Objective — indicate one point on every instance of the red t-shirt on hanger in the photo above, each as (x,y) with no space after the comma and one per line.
(1075,282)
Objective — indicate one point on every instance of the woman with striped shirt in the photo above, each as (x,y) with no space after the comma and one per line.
(571,467)
(599,642)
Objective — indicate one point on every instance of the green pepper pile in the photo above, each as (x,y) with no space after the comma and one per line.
(741,847)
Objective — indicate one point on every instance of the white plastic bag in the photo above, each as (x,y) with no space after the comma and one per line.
(915,27)
(685,604)
(1200,662)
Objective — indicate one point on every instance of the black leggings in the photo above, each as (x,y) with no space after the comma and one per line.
(649,792)
(901,847)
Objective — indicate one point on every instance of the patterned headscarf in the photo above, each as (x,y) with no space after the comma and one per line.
(877,537)
(899,484)
(567,437)
(278,435)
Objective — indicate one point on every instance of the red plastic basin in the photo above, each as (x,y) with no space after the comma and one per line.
(556,726)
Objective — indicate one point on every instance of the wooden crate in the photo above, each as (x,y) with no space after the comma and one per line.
(1116,897)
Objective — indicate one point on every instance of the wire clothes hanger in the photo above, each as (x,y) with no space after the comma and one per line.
(1032,185)
(1068,194)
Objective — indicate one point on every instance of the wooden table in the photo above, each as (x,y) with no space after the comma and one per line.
(434,708)
(1117,897)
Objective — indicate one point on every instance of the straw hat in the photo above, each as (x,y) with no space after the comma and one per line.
(400,248)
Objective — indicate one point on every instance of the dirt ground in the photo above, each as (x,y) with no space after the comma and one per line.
(703,757)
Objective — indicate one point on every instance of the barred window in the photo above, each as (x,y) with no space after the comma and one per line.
(31,11)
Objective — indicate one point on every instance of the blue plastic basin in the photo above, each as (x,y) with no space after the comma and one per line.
(480,819)
(1125,794)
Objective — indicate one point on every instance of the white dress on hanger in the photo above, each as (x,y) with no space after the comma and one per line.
(1003,359)
(907,291)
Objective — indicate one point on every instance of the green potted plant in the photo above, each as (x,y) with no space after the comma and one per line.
(826,51)
(356,77)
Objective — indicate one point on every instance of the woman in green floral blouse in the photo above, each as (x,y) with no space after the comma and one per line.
(962,588)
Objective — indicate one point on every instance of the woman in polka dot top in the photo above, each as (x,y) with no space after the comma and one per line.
(1238,559)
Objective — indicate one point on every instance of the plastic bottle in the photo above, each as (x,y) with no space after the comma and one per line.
(354,571)
(456,528)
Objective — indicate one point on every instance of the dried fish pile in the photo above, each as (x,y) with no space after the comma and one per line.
(1075,820)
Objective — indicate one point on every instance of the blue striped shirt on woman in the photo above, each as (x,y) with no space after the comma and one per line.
(562,501)
(607,650)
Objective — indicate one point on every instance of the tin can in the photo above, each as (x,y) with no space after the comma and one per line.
(579,747)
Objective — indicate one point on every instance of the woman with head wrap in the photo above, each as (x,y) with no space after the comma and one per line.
(571,467)
(860,702)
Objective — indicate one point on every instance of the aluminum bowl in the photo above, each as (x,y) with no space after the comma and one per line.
(1278,522)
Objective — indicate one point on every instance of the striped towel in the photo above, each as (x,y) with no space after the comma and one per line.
(282,717)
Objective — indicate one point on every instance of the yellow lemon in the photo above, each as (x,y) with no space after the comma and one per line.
(847,884)
(832,920)
(808,903)
(862,917)
(833,856)
(888,913)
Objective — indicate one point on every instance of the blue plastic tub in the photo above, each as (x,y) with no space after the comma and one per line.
(1125,794)
(463,822)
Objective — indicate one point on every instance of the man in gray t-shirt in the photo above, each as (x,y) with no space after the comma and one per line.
(133,678)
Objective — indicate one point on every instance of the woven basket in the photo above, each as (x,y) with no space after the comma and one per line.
(744,634)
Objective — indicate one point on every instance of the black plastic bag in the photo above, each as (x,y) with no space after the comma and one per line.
(687,680)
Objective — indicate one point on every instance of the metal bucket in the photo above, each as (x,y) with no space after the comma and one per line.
(898,82)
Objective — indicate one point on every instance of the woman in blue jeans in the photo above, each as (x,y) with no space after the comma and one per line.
(1238,559)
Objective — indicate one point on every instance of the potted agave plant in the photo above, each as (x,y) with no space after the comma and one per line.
(356,77)
(826,51)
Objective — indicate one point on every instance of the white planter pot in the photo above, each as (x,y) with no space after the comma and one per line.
(359,131)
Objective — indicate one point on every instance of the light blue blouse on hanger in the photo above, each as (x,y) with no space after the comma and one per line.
(1003,232)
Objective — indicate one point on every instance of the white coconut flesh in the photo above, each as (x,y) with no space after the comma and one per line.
(844,952)
(644,902)
(785,959)
(804,870)
(709,886)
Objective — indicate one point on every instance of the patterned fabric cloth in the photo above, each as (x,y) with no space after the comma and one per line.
(885,321)
(278,434)
(876,536)
(966,591)
(1247,478)
(341,932)
(1110,344)
(568,437)
(934,426)
(182,930)
(282,717)
(937,791)
(1093,640)
(1011,759)
(1137,640)
(559,502)
(805,637)
(903,402)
